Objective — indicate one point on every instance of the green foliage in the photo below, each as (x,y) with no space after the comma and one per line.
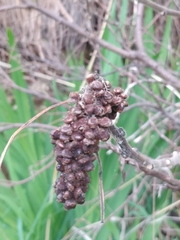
(28,209)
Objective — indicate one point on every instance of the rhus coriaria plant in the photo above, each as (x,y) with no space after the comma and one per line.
(76,143)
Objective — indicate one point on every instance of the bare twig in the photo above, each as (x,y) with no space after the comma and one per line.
(160,8)
(138,30)
(158,168)
(7,126)
(28,91)
(131,54)
(8,183)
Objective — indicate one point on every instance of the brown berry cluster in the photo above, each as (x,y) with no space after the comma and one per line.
(76,142)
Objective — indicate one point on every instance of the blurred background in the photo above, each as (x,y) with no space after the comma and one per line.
(46,50)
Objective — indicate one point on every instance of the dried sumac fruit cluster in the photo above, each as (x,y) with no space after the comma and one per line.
(76,142)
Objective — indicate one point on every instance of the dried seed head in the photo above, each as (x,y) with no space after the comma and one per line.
(77,140)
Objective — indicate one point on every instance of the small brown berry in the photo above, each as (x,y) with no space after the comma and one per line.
(66,153)
(80,175)
(89,109)
(88,142)
(77,136)
(88,98)
(70,204)
(100,93)
(55,134)
(104,122)
(84,160)
(89,134)
(117,90)
(117,100)
(88,167)
(77,111)
(93,122)
(75,167)
(66,129)
(99,110)
(69,118)
(96,85)
(108,96)
(108,85)
(74,96)
(70,187)
(60,144)
(65,161)
(103,134)
(68,168)
(60,198)
(70,177)
(124,95)
(67,195)
(61,186)
(90,78)
(78,193)
(64,138)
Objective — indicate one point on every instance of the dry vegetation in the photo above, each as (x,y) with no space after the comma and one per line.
(47,48)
